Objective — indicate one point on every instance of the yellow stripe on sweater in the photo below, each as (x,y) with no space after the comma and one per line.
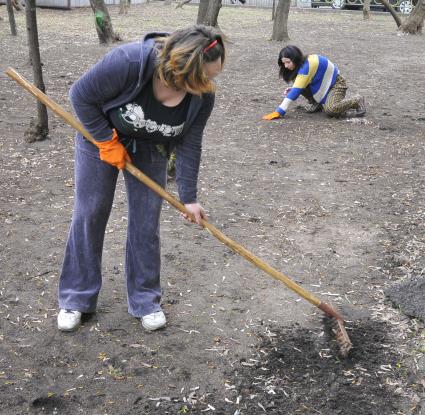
(302,81)
(313,62)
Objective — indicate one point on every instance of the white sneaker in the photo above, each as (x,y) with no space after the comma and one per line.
(69,320)
(154,321)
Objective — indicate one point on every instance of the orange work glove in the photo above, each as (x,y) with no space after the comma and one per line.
(272,116)
(113,152)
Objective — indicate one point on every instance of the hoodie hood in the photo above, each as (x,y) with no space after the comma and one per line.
(148,56)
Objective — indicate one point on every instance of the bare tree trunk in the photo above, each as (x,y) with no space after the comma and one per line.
(12,22)
(202,11)
(274,10)
(211,14)
(39,129)
(394,14)
(366,10)
(182,3)
(415,22)
(124,6)
(280,25)
(104,29)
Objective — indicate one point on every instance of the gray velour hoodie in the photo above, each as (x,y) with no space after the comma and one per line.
(116,80)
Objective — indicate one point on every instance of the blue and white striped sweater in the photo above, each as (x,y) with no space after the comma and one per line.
(317,72)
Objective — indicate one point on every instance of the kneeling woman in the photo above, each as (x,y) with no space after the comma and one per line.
(317,79)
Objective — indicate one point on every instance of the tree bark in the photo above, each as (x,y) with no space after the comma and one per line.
(366,10)
(415,22)
(394,14)
(103,23)
(280,25)
(273,10)
(12,22)
(40,128)
(202,11)
(210,17)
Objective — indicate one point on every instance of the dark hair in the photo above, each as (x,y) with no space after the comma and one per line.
(297,57)
(184,54)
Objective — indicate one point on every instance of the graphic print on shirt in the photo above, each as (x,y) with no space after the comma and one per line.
(135,116)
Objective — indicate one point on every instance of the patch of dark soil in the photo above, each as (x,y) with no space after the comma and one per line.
(195,403)
(297,371)
(297,360)
(47,404)
(409,296)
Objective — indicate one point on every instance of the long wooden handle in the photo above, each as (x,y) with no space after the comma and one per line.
(72,121)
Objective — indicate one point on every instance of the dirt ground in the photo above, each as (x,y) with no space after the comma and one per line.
(336,204)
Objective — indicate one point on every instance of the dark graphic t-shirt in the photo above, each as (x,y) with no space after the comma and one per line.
(147,119)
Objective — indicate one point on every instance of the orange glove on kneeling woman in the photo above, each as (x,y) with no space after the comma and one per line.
(272,116)
(113,152)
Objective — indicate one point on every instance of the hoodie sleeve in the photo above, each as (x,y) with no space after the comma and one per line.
(188,153)
(101,83)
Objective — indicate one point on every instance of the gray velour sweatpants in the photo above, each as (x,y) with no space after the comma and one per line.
(95,183)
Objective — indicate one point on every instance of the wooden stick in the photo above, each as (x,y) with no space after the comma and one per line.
(239,249)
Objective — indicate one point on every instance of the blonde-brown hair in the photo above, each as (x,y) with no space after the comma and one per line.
(183,55)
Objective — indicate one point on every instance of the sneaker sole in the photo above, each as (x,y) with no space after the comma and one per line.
(66,330)
(150,328)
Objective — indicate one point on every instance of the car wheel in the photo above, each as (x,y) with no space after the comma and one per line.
(338,4)
(406,7)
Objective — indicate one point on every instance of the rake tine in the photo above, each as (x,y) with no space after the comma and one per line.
(338,328)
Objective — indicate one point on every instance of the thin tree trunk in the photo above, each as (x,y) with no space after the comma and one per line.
(280,25)
(104,29)
(394,14)
(274,10)
(202,11)
(415,22)
(12,22)
(124,6)
(366,10)
(211,14)
(39,129)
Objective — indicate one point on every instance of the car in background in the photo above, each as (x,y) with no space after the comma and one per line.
(403,6)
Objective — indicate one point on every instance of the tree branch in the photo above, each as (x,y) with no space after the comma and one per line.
(182,3)
(394,14)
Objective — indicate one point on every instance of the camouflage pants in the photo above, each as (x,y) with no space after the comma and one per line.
(336,103)
(171,166)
